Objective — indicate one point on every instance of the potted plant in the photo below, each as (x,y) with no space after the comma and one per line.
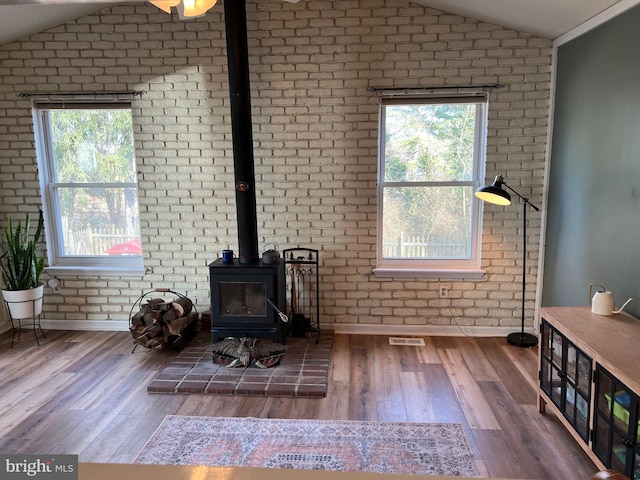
(21,268)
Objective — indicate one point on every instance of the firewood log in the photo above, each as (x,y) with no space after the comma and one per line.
(169,316)
(182,306)
(138,318)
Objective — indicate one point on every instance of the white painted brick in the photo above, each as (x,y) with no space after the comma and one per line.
(315,136)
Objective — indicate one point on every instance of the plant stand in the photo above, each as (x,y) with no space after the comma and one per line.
(18,326)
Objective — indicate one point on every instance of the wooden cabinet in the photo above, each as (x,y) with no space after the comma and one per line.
(590,378)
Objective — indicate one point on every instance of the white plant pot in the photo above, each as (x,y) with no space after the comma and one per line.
(24,303)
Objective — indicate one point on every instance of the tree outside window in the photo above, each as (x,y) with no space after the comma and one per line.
(431,161)
(87,162)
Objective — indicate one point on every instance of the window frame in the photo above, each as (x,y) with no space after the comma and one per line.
(59,264)
(435,268)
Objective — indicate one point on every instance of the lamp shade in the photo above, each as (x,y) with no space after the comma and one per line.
(186,8)
(494,193)
(165,5)
(194,8)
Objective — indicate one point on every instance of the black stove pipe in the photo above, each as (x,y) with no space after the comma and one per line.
(235,16)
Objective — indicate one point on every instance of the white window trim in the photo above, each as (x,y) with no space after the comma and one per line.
(449,273)
(119,271)
(73,265)
(445,269)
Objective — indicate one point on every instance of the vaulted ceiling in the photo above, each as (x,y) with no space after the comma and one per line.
(545,18)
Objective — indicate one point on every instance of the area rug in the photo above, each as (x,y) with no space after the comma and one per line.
(379,447)
(302,372)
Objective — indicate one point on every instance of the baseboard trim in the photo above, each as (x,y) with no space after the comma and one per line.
(342,328)
(86,325)
(421,330)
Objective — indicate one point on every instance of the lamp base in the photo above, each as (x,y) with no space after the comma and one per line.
(520,339)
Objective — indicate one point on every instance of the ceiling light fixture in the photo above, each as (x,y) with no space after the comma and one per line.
(186,8)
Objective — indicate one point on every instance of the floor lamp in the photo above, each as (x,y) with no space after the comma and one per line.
(494,193)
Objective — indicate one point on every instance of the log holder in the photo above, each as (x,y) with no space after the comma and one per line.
(138,303)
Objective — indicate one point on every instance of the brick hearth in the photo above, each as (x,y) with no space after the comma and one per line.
(303,372)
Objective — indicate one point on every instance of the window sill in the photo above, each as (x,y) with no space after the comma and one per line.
(96,271)
(467,274)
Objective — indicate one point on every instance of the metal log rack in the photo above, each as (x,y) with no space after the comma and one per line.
(303,292)
(161,292)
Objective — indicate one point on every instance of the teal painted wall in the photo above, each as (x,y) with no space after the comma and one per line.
(593,226)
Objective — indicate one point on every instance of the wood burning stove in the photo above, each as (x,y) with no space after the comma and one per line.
(241,291)
(240,297)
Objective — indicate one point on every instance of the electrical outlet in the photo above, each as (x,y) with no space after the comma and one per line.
(443,291)
(55,284)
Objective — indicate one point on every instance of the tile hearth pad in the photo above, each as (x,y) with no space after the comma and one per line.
(303,372)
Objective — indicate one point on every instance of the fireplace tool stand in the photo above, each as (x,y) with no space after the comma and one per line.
(303,294)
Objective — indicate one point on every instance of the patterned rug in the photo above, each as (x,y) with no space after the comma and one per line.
(380,447)
(302,372)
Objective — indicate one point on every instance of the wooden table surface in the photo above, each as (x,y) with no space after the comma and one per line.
(111,471)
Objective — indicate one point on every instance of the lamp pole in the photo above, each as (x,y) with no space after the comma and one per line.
(521,338)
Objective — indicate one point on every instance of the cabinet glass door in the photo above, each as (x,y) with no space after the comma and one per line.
(565,376)
(577,389)
(557,350)
(570,390)
(617,426)
(551,363)
(618,453)
(557,355)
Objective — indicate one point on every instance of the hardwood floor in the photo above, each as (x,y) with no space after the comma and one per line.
(85,393)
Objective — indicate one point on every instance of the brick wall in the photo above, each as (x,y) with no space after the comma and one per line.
(315,136)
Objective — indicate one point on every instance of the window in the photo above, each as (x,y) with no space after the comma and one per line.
(87,168)
(431,160)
